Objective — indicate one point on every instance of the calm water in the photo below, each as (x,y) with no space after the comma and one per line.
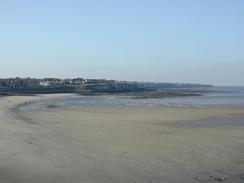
(220,96)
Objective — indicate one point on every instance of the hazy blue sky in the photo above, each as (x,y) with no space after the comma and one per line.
(200,41)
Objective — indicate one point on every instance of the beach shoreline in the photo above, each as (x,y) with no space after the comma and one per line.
(102,144)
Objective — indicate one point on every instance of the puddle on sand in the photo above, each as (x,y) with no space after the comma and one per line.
(209,122)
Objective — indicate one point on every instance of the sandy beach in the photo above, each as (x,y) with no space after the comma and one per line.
(122,145)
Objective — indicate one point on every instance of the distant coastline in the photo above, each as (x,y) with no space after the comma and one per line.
(32,86)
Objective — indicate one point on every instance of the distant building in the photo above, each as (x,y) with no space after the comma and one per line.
(45,83)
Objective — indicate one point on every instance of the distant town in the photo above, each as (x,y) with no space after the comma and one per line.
(18,85)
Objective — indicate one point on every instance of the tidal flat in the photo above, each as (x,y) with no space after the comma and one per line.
(107,144)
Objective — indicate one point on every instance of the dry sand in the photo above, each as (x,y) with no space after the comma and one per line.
(119,145)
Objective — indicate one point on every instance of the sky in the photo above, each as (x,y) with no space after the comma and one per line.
(138,40)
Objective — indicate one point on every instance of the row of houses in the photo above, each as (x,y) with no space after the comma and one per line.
(47,82)
(15,83)
(18,83)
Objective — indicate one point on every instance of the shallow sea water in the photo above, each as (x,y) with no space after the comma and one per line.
(219,97)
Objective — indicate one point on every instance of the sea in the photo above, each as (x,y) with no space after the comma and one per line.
(219,96)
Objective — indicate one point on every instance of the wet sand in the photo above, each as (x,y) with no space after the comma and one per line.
(121,145)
